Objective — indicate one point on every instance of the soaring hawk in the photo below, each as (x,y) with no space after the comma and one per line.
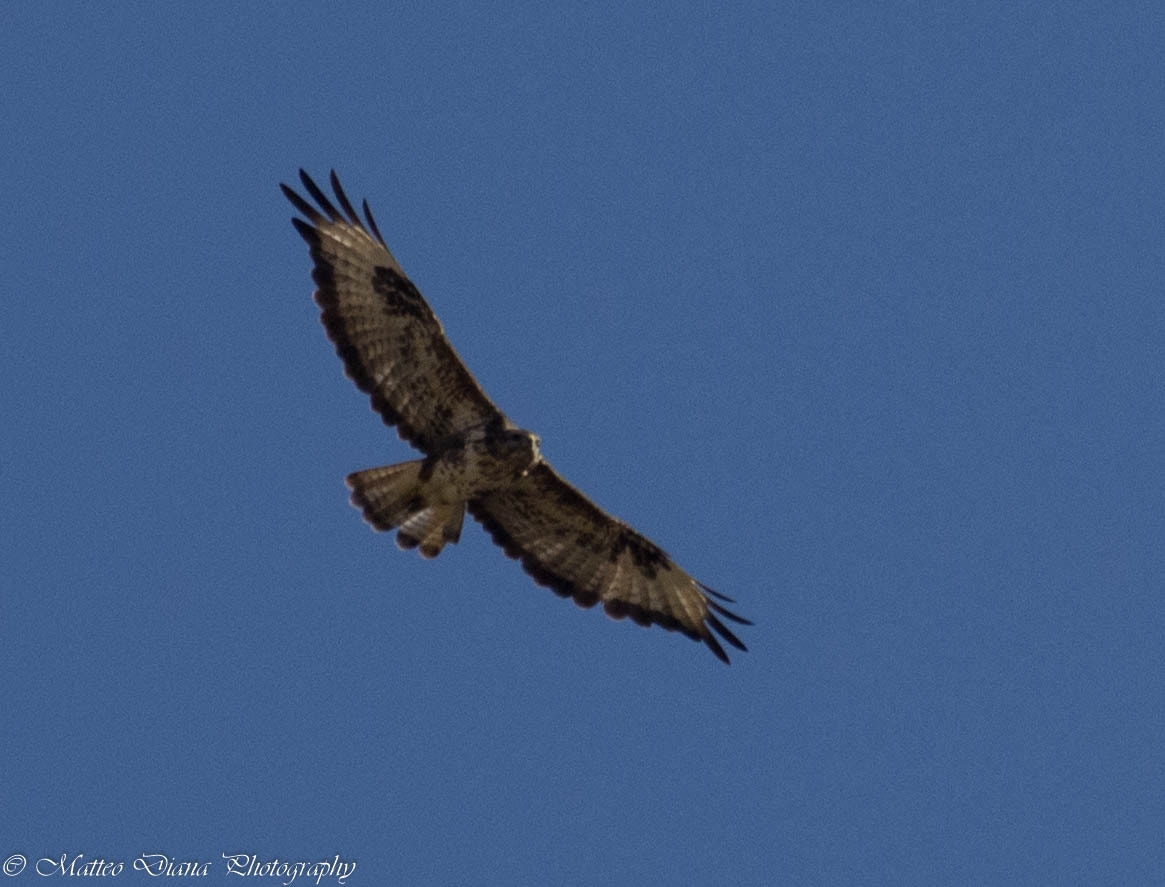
(475,459)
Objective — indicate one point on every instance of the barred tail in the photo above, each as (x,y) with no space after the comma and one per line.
(393,496)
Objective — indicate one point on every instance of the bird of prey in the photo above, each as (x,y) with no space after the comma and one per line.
(475,459)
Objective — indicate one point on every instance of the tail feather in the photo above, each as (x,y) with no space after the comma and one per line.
(389,494)
(393,496)
(432,528)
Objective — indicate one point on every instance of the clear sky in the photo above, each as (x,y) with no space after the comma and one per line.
(857,311)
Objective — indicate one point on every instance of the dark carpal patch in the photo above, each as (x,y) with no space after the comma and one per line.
(648,558)
(399,294)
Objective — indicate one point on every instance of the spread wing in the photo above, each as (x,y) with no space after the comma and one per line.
(568,543)
(392,345)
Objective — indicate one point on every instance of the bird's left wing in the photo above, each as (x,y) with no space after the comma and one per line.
(569,544)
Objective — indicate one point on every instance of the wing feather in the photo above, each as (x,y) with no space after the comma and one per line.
(392,345)
(569,544)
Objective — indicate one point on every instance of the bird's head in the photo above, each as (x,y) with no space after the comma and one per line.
(524,448)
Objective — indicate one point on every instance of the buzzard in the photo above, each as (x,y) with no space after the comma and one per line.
(475,459)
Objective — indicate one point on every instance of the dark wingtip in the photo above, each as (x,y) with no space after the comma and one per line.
(723,611)
(372,223)
(716,594)
(728,614)
(345,204)
(715,647)
(306,231)
(301,205)
(319,197)
(725,632)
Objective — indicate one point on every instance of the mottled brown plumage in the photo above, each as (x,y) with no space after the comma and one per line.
(394,349)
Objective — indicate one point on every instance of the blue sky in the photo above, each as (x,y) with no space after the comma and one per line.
(856,311)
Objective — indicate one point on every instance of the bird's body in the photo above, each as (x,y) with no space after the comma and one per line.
(475,458)
(427,498)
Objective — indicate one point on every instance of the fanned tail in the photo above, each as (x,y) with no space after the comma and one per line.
(393,496)
(431,528)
